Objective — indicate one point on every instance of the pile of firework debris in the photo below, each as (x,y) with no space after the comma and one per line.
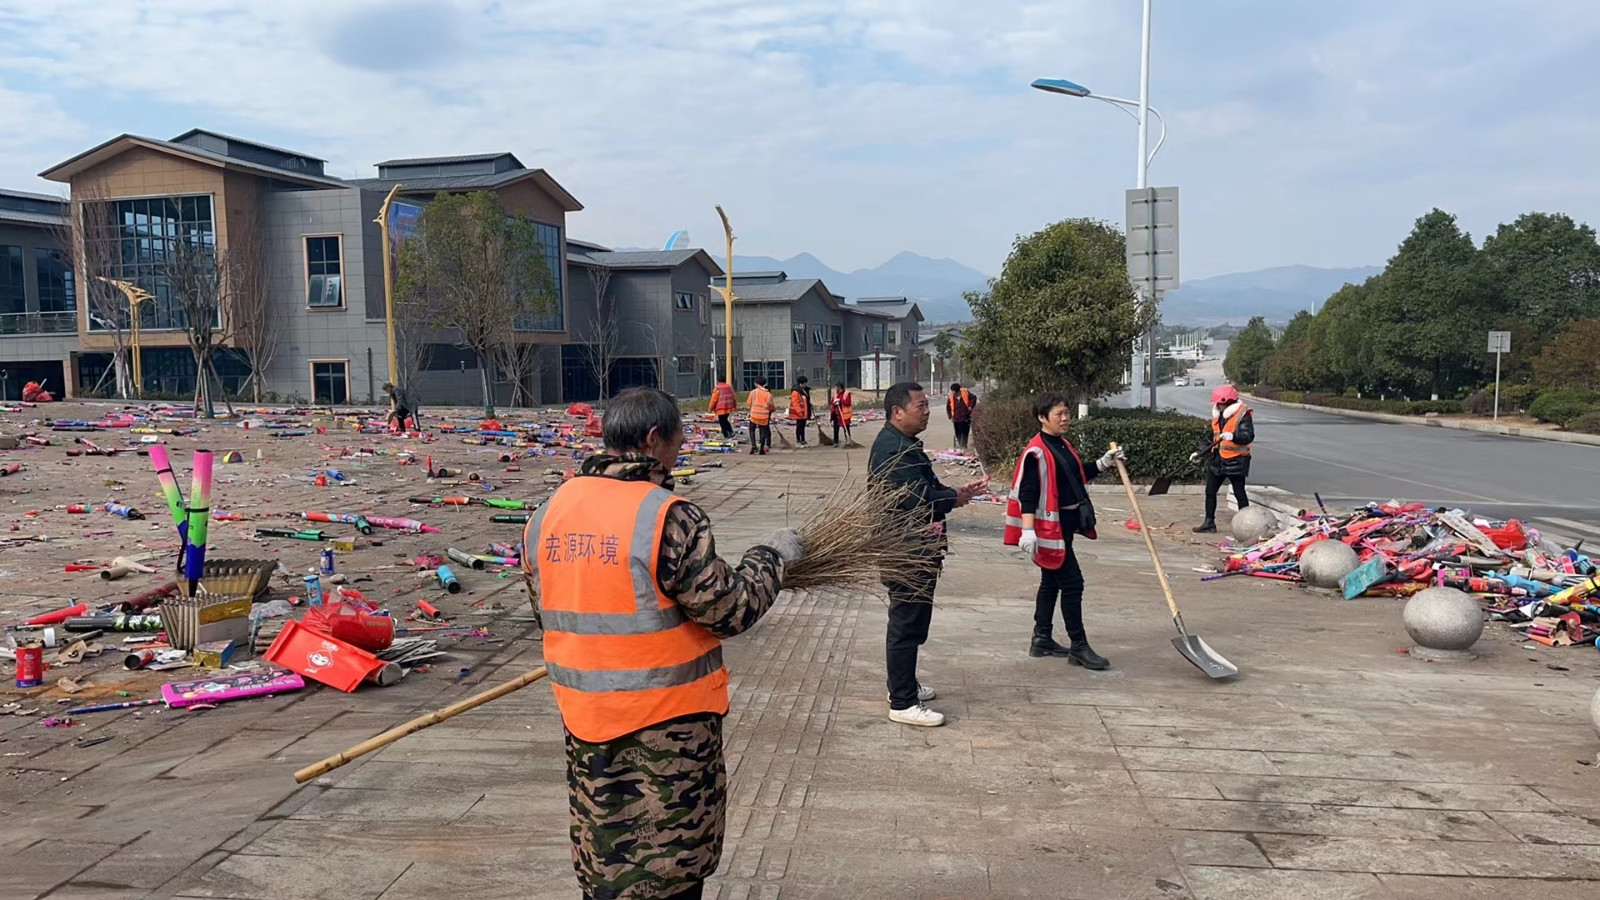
(1548,592)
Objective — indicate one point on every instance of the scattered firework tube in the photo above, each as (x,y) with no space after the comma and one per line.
(58,616)
(429,609)
(397,524)
(466,559)
(199,517)
(509,519)
(123,510)
(169,487)
(499,560)
(359,521)
(77,509)
(108,707)
(447,580)
(149,598)
(442,501)
(113,623)
(499,503)
(501,548)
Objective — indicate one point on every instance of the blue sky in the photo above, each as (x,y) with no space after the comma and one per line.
(1302,132)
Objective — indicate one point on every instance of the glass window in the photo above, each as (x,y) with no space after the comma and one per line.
(836,337)
(135,235)
(553,319)
(775,375)
(866,337)
(683,300)
(748,373)
(686,365)
(877,337)
(330,383)
(55,281)
(894,337)
(324,288)
(13,292)
(816,337)
(797,338)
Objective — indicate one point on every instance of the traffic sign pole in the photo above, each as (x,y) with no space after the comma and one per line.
(1499,343)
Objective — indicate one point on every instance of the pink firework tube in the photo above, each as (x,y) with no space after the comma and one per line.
(199,517)
(169,488)
(396,524)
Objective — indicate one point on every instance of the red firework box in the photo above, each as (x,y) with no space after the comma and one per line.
(321,657)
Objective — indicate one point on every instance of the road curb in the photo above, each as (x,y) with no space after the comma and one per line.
(1535,434)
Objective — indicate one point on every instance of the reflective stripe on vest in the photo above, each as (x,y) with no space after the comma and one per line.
(760,406)
(621,655)
(1228,449)
(1051,551)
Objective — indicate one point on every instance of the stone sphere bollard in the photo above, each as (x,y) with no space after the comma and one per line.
(1323,563)
(1445,623)
(1254,523)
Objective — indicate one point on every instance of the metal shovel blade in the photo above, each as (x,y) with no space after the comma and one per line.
(1205,659)
(1161,485)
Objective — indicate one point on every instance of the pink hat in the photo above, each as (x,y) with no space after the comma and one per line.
(1224,393)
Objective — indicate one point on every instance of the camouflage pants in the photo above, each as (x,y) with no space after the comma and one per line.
(648,809)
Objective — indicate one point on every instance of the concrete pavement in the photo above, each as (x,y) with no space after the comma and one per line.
(1552,486)
(1334,767)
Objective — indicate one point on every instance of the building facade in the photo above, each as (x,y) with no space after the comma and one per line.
(320,252)
(38,301)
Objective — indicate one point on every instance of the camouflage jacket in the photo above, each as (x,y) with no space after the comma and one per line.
(648,808)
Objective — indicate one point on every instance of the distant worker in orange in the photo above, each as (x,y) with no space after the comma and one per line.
(800,409)
(959,407)
(1233,430)
(760,418)
(839,411)
(723,403)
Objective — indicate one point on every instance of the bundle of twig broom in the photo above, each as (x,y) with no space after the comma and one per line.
(859,534)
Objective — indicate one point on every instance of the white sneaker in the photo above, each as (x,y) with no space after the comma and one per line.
(917,715)
(924,694)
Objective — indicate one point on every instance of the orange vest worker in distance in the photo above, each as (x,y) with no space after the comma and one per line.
(1227,459)
(635,604)
(760,405)
(723,400)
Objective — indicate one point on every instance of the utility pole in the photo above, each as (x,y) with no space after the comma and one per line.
(1146,294)
(727,300)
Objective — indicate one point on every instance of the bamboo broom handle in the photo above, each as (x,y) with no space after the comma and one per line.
(1161,573)
(415,725)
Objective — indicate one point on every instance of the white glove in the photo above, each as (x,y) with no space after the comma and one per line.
(1194,457)
(1029,542)
(1108,462)
(787,544)
(1227,437)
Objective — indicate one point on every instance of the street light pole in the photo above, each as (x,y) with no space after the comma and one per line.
(1147,293)
(727,300)
(388,286)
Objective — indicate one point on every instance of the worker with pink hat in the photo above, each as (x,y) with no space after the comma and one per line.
(1227,457)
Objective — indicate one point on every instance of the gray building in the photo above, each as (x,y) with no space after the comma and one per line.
(38,306)
(643,316)
(322,254)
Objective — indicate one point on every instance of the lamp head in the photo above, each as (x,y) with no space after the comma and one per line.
(1061,86)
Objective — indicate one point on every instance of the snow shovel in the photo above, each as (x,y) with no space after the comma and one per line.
(1193,648)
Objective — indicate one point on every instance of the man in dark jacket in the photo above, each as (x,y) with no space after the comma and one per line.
(1233,430)
(898,460)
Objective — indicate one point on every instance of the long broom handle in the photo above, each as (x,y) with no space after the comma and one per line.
(415,725)
(1161,573)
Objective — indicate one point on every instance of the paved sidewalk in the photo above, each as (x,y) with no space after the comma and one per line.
(1335,767)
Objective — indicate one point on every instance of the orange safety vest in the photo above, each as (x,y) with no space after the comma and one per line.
(760,406)
(1228,449)
(723,400)
(950,403)
(841,403)
(799,406)
(621,654)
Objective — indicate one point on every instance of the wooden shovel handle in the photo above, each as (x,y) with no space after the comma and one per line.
(415,725)
(1161,573)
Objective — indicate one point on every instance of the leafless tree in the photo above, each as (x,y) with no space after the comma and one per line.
(520,360)
(90,242)
(604,339)
(255,322)
(202,281)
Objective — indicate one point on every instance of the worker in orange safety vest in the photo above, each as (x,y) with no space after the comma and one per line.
(723,403)
(635,604)
(1227,458)
(760,418)
(800,409)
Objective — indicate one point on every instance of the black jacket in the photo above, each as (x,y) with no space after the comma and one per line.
(1244,434)
(898,460)
(1070,489)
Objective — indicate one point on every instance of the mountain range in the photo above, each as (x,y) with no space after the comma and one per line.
(1276,294)
(937,286)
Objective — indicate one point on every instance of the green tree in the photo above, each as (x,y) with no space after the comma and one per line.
(1061,316)
(1247,352)
(1289,364)
(477,272)
(1570,360)
(944,350)
(1545,273)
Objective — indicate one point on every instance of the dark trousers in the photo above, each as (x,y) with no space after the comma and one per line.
(1063,587)
(910,613)
(727,426)
(837,427)
(800,431)
(963,431)
(1214,480)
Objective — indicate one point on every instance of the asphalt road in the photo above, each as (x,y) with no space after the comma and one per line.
(1552,486)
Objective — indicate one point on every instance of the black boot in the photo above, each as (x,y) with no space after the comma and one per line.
(1209,526)
(1045,645)
(1081,654)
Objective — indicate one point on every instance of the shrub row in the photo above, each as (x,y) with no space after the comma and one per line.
(1157,443)
(1574,409)
(1359,404)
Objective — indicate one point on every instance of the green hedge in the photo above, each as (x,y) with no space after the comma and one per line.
(1157,443)
(1359,404)
(1563,406)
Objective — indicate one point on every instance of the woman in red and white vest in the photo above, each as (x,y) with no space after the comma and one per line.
(1049,504)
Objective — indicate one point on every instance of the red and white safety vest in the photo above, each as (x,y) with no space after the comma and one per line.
(1052,550)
